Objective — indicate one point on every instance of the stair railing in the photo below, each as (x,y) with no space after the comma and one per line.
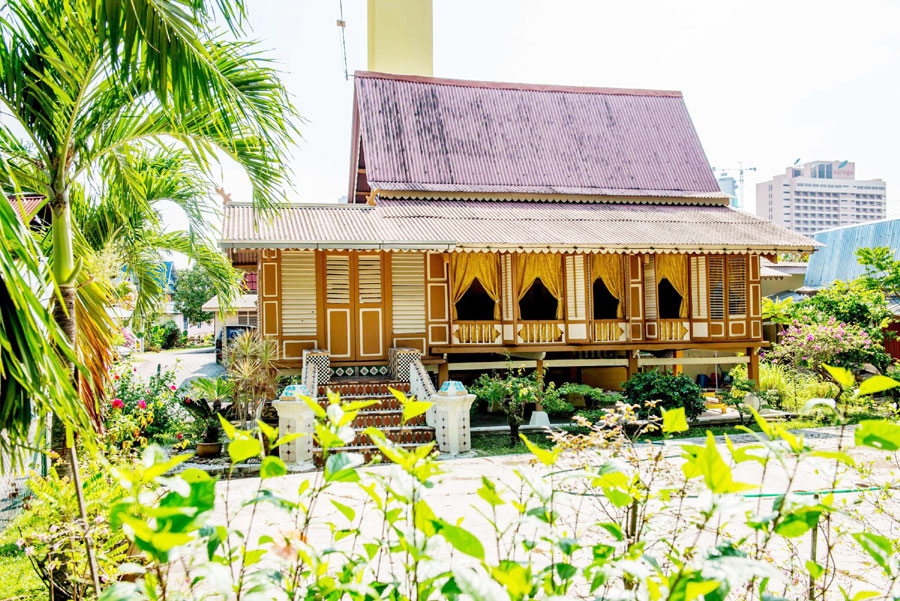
(406,366)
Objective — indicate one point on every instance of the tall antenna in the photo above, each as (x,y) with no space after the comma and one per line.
(740,169)
(343,25)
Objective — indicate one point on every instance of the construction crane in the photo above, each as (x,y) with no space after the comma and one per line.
(740,169)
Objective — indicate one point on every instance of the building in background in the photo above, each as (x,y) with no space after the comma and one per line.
(820,195)
(729,186)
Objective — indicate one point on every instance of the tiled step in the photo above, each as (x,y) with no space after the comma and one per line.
(368,451)
(385,419)
(355,388)
(383,402)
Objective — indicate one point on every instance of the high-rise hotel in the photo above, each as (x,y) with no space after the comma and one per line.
(820,195)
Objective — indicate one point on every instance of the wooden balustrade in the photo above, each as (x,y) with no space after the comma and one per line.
(476,332)
(609,330)
(674,330)
(540,332)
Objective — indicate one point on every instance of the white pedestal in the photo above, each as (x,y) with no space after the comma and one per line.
(295,416)
(539,418)
(449,416)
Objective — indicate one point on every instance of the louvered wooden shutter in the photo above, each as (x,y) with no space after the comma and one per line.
(298,293)
(576,298)
(650,305)
(337,268)
(407,292)
(717,288)
(737,286)
(699,299)
(369,279)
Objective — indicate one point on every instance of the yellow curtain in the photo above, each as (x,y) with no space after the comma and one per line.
(675,269)
(548,267)
(610,269)
(465,267)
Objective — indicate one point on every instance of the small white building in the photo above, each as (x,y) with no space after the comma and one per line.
(244,313)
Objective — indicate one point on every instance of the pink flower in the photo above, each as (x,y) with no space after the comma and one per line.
(134,370)
(142,404)
(117,404)
(173,387)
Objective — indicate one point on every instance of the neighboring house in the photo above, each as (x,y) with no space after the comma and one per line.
(781,278)
(837,261)
(582,227)
(245,312)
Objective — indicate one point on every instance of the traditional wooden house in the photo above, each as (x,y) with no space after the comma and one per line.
(573,226)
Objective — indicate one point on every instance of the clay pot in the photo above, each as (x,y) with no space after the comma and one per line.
(209,449)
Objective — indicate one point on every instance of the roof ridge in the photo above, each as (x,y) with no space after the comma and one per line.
(500,85)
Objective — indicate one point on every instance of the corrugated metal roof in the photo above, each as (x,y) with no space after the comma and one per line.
(442,135)
(837,261)
(242,302)
(26,204)
(474,224)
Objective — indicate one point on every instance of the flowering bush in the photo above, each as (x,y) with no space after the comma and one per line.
(140,411)
(810,345)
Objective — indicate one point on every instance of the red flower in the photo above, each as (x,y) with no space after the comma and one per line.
(173,387)
(187,400)
(178,436)
(117,376)
(117,404)
(142,404)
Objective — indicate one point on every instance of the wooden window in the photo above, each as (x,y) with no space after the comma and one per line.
(575,289)
(370,279)
(337,269)
(669,300)
(298,293)
(538,304)
(717,288)
(737,286)
(650,301)
(408,292)
(475,304)
(606,306)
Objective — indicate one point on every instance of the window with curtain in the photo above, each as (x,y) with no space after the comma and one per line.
(672,269)
(476,304)
(547,271)
(605,305)
(608,270)
(538,304)
(669,300)
(465,270)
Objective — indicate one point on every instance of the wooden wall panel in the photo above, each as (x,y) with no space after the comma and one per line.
(651,310)
(269,296)
(755,294)
(409,306)
(635,298)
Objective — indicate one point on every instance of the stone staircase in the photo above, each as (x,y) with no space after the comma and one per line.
(386,415)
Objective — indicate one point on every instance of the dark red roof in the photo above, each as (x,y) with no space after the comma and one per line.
(26,205)
(450,136)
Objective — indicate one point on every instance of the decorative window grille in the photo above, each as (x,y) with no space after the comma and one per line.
(699,297)
(408,292)
(369,279)
(717,288)
(298,293)
(737,286)
(337,275)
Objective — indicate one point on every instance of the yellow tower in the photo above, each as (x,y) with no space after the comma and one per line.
(400,36)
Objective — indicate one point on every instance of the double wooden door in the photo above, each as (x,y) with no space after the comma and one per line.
(355,314)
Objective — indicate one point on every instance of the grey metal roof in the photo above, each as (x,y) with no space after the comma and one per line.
(475,225)
(837,260)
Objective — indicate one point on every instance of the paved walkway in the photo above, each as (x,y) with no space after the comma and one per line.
(188,364)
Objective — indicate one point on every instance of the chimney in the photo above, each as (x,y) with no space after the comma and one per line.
(400,37)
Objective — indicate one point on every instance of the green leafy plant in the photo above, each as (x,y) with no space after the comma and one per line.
(511,392)
(142,411)
(251,363)
(666,391)
(593,396)
(204,400)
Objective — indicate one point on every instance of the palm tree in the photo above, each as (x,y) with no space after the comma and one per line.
(91,85)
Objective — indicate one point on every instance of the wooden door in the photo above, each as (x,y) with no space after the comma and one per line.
(354,306)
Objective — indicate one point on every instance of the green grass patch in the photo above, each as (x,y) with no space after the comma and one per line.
(486,445)
(18,580)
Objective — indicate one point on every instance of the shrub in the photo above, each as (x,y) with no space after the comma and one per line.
(670,390)
(593,396)
(142,412)
(512,392)
(553,402)
(810,345)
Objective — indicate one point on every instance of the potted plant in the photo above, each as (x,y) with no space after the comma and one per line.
(204,401)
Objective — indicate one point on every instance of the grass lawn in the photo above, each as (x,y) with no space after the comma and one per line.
(18,579)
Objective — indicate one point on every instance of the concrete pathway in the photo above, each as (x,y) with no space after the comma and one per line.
(188,364)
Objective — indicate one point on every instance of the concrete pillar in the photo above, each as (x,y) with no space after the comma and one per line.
(443,371)
(449,416)
(633,367)
(295,415)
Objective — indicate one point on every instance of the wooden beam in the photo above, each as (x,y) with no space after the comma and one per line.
(676,367)
(443,372)
(473,365)
(500,349)
(692,360)
(753,365)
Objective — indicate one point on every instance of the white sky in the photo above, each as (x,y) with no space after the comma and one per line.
(766,82)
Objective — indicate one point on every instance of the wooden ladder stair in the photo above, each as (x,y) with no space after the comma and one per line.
(386,415)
